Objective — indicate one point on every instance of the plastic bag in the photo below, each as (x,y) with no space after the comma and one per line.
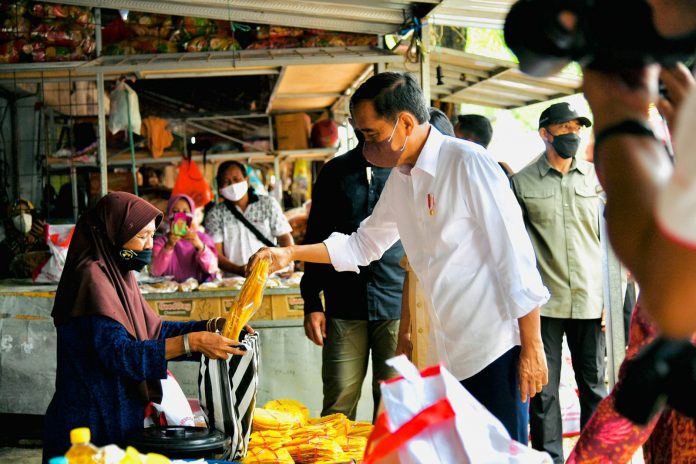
(118,115)
(58,240)
(430,417)
(191,182)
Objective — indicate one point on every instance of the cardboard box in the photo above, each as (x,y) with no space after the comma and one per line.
(292,131)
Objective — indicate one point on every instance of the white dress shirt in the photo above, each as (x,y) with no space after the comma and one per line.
(463,232)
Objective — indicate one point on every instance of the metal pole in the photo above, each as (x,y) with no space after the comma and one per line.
(101,123)
(613,305)
(14,145)
(425,63)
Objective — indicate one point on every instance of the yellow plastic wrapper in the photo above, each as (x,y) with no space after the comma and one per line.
(267,456)
(338,422)
(360,429)
(270,439)
(293,407)
(354,447)
(317,450)
(248,300)
(268,419)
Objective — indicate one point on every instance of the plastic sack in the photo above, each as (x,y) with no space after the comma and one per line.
(58,240)
(430,417)
(123,99)
(174,408)
(191,182)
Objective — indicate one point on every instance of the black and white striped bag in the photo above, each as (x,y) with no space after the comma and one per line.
(228,395)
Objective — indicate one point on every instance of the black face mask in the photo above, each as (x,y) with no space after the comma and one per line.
(566,145)
(135,260)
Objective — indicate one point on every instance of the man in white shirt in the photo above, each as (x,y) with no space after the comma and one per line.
(462,230)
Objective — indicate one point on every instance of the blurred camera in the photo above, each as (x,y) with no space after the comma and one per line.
(663,373)
(608,35)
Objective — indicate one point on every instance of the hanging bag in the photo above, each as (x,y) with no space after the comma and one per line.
(190,181)
(227,390)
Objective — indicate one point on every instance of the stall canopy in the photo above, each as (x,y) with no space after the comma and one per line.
(471,13)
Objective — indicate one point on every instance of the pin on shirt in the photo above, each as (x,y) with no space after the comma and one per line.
(431,204)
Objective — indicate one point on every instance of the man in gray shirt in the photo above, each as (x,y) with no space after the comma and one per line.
(559,198)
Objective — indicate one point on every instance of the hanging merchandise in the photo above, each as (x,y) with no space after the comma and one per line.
(191,182)
(324,134)
(158,136)
(301,182)
(58,241)
(122,98)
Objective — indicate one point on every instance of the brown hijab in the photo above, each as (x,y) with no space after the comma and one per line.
(93,282)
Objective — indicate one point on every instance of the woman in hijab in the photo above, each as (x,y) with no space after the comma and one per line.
(183,251)
(112,350)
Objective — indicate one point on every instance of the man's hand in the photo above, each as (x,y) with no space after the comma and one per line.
(315,327)
(278,257)
(678,81)
(532,370)
(404,345)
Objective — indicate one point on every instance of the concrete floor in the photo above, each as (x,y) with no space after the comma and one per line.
(20,455)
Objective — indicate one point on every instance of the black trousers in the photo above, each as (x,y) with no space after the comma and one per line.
(587,348)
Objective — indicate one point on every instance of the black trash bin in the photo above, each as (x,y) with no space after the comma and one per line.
(179,442)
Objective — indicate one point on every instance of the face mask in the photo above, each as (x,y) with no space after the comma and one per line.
(22,222)
(381,154)
(135,260)
(235,192)
(566,145)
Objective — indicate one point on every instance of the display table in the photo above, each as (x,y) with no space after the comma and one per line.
(289,367)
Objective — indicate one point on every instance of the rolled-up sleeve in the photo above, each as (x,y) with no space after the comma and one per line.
(376,234)
(496,207)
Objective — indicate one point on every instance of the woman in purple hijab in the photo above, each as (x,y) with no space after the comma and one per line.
(183,251)
(112,349)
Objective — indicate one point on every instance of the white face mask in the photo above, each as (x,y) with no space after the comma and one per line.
(22,222)
(235,192)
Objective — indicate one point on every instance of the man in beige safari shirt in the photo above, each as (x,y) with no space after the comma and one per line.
(558,195)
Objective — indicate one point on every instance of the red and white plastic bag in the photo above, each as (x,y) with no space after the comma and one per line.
(429,416)
(58,240)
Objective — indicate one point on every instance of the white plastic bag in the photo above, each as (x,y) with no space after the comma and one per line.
(58,240)
(430,417)
(174,406)
(118,114)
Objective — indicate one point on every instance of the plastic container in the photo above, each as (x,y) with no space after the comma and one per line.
(58,460)
(179,442)
(82,451)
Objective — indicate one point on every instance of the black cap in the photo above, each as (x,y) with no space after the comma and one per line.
(561,112)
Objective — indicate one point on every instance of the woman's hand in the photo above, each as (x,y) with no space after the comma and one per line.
(172,238)
(193,238)
(213,345)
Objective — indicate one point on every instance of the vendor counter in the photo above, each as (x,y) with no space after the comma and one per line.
(289,366)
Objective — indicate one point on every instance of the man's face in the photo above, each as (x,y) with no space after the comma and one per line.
(674,17)
(568,127)
(366,120)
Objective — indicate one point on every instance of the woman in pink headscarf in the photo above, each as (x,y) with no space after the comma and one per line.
(183,251)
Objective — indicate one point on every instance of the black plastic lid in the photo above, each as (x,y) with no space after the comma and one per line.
(177,439)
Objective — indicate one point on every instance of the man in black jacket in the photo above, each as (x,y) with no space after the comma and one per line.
(362,312)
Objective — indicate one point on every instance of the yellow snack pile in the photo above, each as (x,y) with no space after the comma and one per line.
(284,426)
(248,300)
(267,456)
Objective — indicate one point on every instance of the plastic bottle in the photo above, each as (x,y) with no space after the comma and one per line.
(58,460)
(82,451)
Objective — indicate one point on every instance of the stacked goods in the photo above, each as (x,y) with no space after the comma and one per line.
(141,33)
(45,32)
(248,300)
(294,37)
(284,426)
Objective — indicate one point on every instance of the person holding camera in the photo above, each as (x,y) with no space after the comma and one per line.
(560,204)
(183,251)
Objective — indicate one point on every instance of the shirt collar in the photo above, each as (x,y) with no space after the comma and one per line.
(545,167)
(429,155)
